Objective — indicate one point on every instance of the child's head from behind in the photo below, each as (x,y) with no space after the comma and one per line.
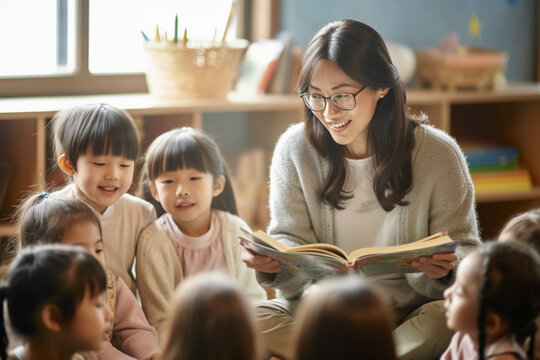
(97,145)
(342,318)
(56,290)
(45,219)
(496,293)
(210,320)
(524,227)
(186,173)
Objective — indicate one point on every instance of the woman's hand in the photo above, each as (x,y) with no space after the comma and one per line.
(259,263)
(437,265)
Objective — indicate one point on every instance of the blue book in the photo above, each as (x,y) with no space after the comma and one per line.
(491,156)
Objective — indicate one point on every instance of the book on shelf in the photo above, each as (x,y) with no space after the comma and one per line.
(6,169)
(279,84)
(258,66)
(501,181)
(321,259)
(486,156)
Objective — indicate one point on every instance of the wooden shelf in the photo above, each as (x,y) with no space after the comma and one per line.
(509,115)
(533,194)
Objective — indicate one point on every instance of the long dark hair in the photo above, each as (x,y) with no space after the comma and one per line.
(510,287)
(189,148)
(362,54)
(47,274)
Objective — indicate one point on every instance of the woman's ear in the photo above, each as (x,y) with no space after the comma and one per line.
(65,165)
(153,190)
(383,92)
(219,185)
(51,316)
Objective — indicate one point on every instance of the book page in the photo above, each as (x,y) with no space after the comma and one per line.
(431,241)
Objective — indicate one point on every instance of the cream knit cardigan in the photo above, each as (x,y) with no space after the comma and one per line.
(159,272)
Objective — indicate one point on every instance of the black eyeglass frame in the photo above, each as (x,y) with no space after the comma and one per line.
(326,98)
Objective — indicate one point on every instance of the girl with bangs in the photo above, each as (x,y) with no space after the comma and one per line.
(55,297)
(186,174)
(97,146)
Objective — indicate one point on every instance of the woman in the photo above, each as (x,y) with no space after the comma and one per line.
(358,172)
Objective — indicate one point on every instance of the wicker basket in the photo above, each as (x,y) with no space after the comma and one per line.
(195,71)
(475,68)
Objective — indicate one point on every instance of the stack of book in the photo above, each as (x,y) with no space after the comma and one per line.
(495,168)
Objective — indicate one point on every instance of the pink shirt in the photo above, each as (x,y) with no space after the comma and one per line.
(197,254)
(462,348)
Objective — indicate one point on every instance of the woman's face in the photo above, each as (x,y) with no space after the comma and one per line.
(349,128)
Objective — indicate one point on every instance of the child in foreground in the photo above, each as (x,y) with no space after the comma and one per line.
(493,302)
(525,228)
(97,146)
(55,300)
(210,320)
(186,174)
(344,318)
(46,220)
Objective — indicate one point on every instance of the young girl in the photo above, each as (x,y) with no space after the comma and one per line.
(344,318)
(44,219)
(211,320)
(360,171)
(493,301)
(97,146)
(525,228)
(199,231)
(55,300)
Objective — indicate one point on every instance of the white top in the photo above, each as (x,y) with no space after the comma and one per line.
(363,222)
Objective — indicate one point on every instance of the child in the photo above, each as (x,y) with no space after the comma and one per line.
(210,320)
(495,297)
(45,219)
(344,318)
(97,146)
(55,297)
(199,231)
(525,227)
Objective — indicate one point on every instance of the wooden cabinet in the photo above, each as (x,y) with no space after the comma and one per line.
(510,116)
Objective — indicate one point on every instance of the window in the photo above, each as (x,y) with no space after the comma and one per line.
(60,47)
(38,36)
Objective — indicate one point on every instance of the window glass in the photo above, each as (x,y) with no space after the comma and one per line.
(38,37)
(116,42)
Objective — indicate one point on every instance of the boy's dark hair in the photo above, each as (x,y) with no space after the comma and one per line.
(361,53)
(189,148)
(47,274)
(103,127)
(43,219)
(510,287)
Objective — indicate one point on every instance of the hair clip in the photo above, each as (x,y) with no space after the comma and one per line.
(43,195)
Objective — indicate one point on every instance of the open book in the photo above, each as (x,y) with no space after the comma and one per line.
(321,259)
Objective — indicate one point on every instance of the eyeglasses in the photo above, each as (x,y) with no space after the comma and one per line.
(316,102)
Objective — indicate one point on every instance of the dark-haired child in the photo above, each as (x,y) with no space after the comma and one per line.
(186,174)
(43,219)
(525,227)
(344,318)
(493,302)
(210,319)
(97,146)
(55,297)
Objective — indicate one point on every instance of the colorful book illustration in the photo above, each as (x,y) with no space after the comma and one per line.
(321,260)
(258,66)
